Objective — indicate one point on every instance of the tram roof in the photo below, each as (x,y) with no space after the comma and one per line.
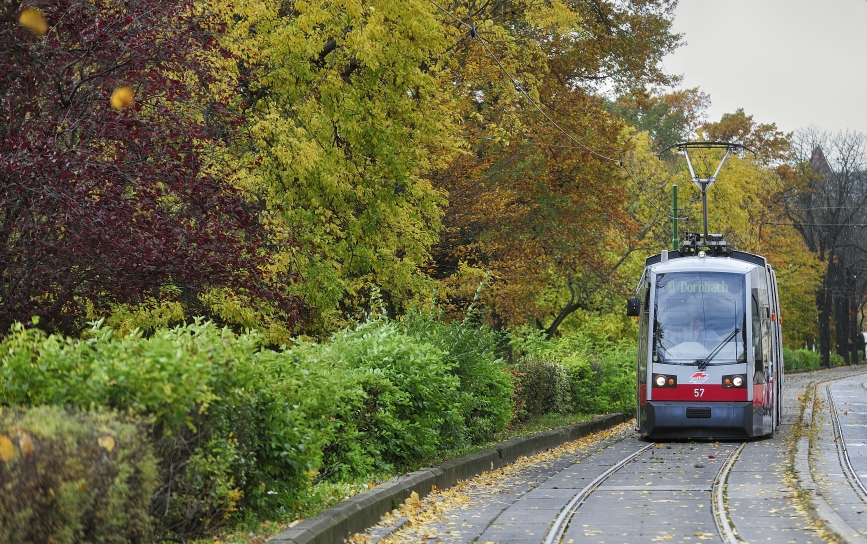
(727,263)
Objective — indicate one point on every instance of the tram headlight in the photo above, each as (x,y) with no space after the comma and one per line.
(734,381)
(664,380)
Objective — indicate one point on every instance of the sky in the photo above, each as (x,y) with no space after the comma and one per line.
(795,63)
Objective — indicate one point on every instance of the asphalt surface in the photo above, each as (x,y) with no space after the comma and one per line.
(778,489)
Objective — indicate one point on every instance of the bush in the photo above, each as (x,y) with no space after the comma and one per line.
(618,380)
(288,417)
(601,373)
(485,383)
(233,424)
(411,402)
(545,387)
(71,477)
(807,360)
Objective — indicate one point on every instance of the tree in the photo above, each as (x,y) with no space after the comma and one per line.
(668,118)
(109,193)
(534,207)
(828,212)
(345,113)
(770,144)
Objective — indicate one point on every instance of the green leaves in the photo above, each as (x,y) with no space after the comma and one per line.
(346,116)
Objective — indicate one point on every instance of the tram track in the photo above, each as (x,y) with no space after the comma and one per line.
(842,450)
(720,512)
(806,457)
(714,487)
(561,522)
(622,488)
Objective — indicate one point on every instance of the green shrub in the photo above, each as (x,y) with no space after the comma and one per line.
(411,398)
(801,359)
(584,377)
(618,381)
(69,477)
(233,424)
(601,373)
(545,387)
(291,417)
(469,350)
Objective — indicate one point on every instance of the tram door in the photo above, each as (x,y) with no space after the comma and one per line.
(643,351)
(763,350)
(777,339)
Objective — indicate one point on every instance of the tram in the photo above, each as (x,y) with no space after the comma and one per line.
(710,357)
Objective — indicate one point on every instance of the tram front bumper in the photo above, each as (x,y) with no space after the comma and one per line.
(673,419)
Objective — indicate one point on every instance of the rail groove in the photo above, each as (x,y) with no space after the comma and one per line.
(720,513)
(558,528)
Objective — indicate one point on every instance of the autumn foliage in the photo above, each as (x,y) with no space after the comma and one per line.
(107,186)
(74,476)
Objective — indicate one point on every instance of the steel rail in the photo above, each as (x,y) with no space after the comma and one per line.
(824,513)
(558,528)
(720,513)
(843,451)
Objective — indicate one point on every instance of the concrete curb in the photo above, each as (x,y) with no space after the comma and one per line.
(357,513)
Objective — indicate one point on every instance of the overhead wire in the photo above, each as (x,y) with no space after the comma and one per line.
(853,225)
(474,33)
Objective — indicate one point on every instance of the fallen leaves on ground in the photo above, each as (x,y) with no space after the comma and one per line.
(420,513)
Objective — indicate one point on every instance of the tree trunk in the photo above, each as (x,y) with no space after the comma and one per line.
(823,303)
(841,321)
(855,339)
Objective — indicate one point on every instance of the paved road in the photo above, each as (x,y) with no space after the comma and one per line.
(774,491)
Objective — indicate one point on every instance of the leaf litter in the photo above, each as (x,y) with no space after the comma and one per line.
(414,521)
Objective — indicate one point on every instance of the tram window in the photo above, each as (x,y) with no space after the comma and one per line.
(694,313)
(757,328)
(761,311)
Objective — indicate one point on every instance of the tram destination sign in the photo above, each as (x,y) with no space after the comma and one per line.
(698,286)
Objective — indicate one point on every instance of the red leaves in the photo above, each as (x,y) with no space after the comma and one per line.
(101,206)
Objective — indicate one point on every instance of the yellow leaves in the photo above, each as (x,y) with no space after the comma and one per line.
(234,497)
(7,447)
(122,97)
(33,20)
(107,443)
(556,16)
(7,450)
(413,500)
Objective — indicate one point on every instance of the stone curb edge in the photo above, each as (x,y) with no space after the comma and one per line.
(357,513)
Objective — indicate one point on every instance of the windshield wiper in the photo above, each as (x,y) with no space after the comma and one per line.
(702,363)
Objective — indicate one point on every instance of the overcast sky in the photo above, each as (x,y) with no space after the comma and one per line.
(791,62)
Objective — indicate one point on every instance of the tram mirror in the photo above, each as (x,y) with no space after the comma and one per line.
(633,306)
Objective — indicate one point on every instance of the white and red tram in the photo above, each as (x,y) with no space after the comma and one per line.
(710,357)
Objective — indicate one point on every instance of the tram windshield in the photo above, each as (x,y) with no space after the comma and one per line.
(699,318)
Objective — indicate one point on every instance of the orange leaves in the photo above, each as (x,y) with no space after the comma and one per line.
(122,97)
(33,20)
(7,447)
(27,447)
(25,443)
(7,450)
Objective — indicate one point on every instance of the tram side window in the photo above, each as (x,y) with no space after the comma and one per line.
(761,319)
(757,328)
(642,334)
